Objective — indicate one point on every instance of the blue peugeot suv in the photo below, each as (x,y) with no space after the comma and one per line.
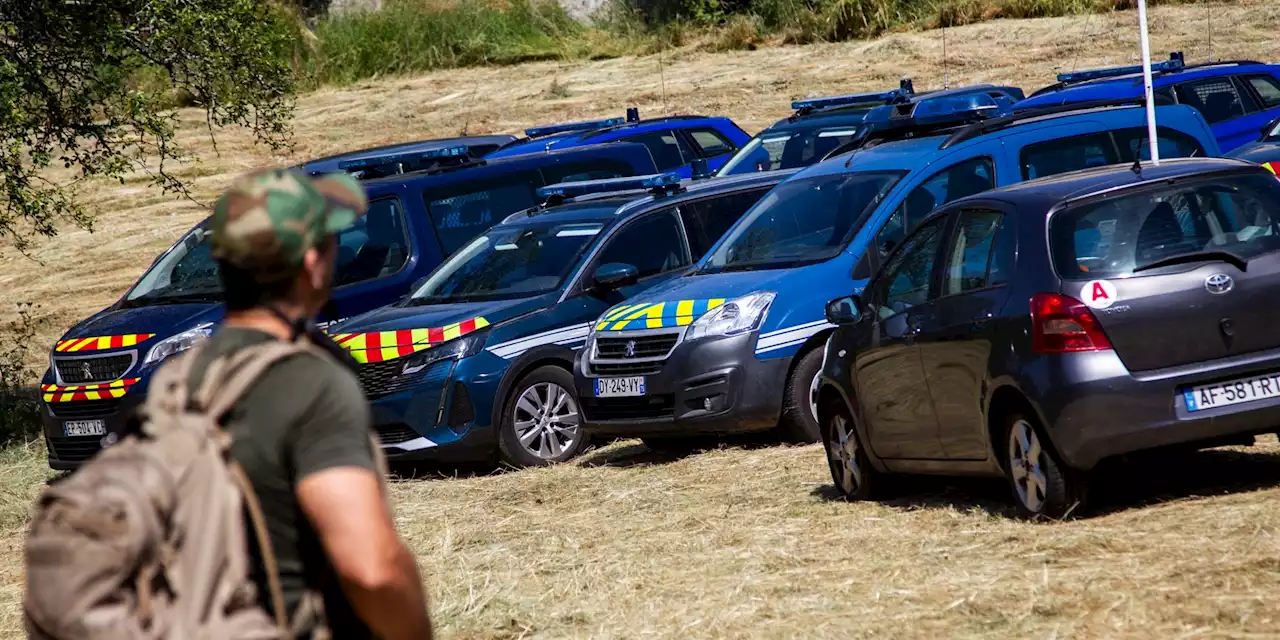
(734,345)
(100,368)
(476,361)
(1237,97)
(826,126)
(675,142)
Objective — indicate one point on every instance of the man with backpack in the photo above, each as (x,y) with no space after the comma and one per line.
(260,425)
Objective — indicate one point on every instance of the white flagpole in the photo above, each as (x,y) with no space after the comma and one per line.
(1146,82)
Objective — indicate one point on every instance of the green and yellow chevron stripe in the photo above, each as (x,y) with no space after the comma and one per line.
(655,315)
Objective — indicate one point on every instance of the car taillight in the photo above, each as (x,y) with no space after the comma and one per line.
(1062,324)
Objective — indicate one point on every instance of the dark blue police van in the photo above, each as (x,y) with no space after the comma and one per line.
(821,127)
(734,345)
(675,142)
(424,205)
(475,363)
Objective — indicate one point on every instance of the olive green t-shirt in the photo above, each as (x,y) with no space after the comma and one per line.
(305,414)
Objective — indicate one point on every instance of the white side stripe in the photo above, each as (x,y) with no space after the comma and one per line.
(562,335)
(793,328)
(416,444)
(791,337)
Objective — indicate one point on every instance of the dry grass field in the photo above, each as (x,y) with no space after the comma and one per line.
(746,540)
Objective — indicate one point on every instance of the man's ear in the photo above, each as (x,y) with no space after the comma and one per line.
(313,264)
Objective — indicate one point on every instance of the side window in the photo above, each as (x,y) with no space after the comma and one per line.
(955,182)
(376,245)
(666,148)
(1066,154)
(593,169)
(475,207)
(905,279)
(1267,88)
(711,143)
(972,260)
(652,245)
(706,220)
(1173,144)
(1215,98)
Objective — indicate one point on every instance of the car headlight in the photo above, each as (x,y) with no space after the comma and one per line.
(178,343)
(456,349)
(737,316)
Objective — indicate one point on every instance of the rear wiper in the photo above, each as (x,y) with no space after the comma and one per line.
(1197,256)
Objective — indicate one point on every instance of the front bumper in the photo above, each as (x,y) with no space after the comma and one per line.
(443,417)
(67,453)
(710,385)
(1096,409)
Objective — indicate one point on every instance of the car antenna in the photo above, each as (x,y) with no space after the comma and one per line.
(1209,15)
(662,74)
(946,82)
(466,124)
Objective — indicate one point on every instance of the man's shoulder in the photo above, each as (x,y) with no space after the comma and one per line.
(312,373)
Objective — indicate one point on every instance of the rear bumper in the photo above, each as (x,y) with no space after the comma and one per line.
(1096,409)
(711,385)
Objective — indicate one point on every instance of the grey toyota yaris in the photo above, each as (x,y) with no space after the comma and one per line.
(1035,330)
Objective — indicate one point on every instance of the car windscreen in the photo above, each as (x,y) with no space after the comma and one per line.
(788,149)
(509,262)
(185,273)
(1273,134)
(802,222)
(1173,226)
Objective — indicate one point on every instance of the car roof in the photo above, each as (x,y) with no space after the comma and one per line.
(540,143)
(513,162)
(1128,86)
(1042,194)
(329,164)
(915,153)
(854,114)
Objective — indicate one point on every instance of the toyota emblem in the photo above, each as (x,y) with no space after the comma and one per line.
(1219,283)
(630,350)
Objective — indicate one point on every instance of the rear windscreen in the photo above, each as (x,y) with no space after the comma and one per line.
(1183,223)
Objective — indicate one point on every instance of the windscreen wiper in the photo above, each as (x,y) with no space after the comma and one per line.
(1197,256)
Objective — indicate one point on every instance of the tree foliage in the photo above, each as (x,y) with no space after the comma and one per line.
(88,90)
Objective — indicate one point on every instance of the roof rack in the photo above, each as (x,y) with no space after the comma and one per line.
(570,127)
(1022,115)
(658,184)
(398,163)
(904,91)
(923,117)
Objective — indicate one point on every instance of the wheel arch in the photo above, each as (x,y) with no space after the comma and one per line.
(1006,399)
(521,366)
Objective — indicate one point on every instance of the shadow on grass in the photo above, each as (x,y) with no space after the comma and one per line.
(1118,485)
(638,454)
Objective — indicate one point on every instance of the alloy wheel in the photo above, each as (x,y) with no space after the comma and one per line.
(813,395)
(843,455)
(546,420)
(1026,459)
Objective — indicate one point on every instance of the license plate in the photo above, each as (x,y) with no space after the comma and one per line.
(619,387)
(84,428)
(1223,394)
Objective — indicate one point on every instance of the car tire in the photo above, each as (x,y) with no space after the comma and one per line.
(851,470)
(799,422)
(1043,487)
(541,420)
(686,444)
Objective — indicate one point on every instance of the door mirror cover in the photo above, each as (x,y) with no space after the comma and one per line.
(615,275)
(846,310)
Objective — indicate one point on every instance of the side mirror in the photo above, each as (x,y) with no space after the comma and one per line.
(846,310)
(614,275)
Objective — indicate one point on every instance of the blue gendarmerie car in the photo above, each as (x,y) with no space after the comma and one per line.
(827,126)
(675,142)
(735,344)
(475,363)
(1237,97)
(423,207)
(1265,150)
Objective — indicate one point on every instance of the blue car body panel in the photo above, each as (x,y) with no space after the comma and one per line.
(425,251)
(479,146)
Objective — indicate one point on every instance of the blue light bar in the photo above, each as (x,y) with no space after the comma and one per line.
(956,109)
(1174,63)
(567,127)
(853,98)
(658,181)
(360,164)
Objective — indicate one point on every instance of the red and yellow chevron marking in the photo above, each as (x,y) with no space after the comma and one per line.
(380,346)
(101,343)
(1273,167)
(76,393)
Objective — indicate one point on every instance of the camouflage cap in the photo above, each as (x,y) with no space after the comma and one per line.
(266,221)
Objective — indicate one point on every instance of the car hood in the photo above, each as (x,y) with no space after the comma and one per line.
(395,332)
(1260,152)
(130,326)
(683,300)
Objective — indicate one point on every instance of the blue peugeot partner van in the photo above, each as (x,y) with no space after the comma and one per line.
(733,345)
(475,363)
(100,368)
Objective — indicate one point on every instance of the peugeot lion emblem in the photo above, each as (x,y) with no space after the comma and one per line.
(86,370)
(630,349)
(1219,283)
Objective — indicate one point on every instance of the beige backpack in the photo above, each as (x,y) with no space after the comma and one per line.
(147,540)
